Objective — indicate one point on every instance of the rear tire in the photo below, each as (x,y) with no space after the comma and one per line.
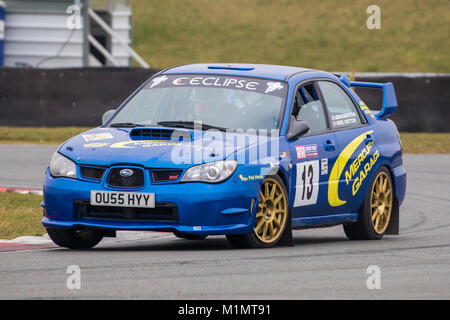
(189,236)
(271,217)
(76,239)
(375,213)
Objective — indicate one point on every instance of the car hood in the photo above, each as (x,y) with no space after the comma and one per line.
(110,146)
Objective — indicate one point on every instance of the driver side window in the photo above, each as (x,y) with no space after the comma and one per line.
(308,107)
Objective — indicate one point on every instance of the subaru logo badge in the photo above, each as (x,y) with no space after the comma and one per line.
(126,172)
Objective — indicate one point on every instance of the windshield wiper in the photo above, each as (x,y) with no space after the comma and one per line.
(125,125)
(190,125)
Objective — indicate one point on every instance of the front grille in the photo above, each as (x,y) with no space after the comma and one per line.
(163,211)
(115,179)
(92,173)
(166,175)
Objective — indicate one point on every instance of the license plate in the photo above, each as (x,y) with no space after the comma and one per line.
(122,199)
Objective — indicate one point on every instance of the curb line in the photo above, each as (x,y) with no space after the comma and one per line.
(34,191)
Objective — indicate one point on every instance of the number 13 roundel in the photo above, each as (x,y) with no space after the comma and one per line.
(307,183)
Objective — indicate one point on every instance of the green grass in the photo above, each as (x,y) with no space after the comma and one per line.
(412,142)
(425,142)
(20,215)
(328,34)
(38,135)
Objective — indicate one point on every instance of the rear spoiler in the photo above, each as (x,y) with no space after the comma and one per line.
(389,106)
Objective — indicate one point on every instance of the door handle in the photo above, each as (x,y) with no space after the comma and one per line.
(329,145)
(369,139)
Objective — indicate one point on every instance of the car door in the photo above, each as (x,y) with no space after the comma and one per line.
(312,155)
(357,149)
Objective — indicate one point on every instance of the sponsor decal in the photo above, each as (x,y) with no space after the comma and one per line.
(251,178)
(365,109)
(308,151)
(158,80)
(263,86)
(154,143)
(323,166)
(272,86)
(356,165)
(284,154)
(97,136)
(217,82)
(180,81)
(307,183)
(143,144)
(343,119)
(95,144)
(362,175)
(356,168)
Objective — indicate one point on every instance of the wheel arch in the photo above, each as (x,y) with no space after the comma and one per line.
(286,239)
(394,223)
(283,178)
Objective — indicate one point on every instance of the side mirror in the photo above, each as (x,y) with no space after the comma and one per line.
(107,114)
(297,128)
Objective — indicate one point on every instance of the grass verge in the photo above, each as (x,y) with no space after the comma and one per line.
(20,215)
(425,142)
(38,135)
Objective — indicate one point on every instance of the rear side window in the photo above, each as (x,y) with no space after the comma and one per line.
(340,107)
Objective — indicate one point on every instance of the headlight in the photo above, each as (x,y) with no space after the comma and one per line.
(211,172)
(60,166)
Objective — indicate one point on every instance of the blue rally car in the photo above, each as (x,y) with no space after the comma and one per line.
(246,151)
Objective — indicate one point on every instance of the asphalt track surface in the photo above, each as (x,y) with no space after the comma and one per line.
(323,264)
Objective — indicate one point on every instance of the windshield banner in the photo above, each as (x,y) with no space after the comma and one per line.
(272,87)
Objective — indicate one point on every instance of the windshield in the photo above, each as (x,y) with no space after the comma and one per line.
(215,101)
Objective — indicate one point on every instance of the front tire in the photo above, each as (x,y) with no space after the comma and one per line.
(75,239)
(271,217)
(375,214)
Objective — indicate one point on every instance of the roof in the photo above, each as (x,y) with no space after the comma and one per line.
(238,69)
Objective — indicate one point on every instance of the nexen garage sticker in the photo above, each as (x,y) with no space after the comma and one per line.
(276,88)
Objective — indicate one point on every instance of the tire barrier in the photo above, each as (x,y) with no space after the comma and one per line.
(423,100)
(79,97)
(64,97)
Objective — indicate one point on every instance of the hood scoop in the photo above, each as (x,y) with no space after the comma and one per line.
(151,134)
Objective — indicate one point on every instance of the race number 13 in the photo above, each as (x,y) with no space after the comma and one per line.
(307,184)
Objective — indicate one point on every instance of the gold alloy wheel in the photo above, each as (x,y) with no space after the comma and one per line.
(381,202)
(272,211)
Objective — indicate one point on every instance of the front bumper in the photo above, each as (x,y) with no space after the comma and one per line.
(208,209)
